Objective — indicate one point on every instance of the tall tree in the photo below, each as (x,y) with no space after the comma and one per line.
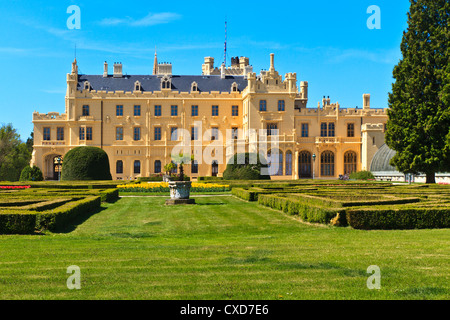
(418,128)
(14,154)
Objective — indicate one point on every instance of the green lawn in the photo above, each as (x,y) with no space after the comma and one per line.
(220,248)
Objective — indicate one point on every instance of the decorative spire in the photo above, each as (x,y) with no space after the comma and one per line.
(155,64)
(74,67)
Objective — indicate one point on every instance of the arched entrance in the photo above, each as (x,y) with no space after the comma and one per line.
(52,166)
(214,168)
(350,158)
(327,164)
(304,164)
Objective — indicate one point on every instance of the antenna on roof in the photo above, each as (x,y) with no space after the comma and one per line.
(225,45)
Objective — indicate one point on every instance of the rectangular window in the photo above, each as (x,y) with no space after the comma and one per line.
(119,111)
(47,133)
(331,129)
(60,133)
(157,133)
(280,105)
(215,111)
(82,133)
(234,133)
(119,133)
(137,111)
(174,111)
(88,133)
(194,133)
(85,110)
(272,129)
(350,130)
(235,111)
(194,166)
(137,134)
(305,130)
(214,133)
(194,111)
(323,129)
(174,133)
(262,105)
(157,111)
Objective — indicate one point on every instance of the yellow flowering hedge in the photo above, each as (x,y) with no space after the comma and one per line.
(164,187)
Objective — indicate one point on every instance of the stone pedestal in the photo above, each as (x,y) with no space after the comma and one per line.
(180,192)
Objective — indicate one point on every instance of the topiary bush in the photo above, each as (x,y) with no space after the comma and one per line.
(240,168)
(86,163)
(31,174)
(362,175)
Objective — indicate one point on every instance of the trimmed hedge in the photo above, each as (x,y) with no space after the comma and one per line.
(306,212)
(109,195)
(13,222)
(86,163)
(57,218)
(402,218)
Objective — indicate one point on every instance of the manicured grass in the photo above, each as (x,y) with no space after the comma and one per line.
(220,248)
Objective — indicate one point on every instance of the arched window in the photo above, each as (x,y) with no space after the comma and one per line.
(214,168)
(87,86)
(234,87)
(288,166)
(137,166)
(275,162)
(165,83)
(350,158)
(304,164)
(194,87)
(119,166)
(137,86)
(327,164)
(157,166)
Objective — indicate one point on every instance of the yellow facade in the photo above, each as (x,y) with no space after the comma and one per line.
(120,114)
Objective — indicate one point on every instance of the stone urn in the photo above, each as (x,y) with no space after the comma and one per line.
(180,192)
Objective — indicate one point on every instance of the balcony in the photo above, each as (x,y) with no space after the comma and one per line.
(53,143)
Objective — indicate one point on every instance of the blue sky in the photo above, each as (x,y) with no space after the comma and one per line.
(327,43)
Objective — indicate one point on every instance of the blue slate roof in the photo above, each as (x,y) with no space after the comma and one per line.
(150,83)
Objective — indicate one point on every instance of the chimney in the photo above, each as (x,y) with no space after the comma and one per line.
(272,64)
(117,70)
(222,71)
(366,101)
(105,70)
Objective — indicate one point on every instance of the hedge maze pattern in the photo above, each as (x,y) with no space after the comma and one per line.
(37,209)
(360,206)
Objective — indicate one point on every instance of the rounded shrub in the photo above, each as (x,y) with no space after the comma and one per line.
(243,167)
(362,175)
(31,174)
(86,163)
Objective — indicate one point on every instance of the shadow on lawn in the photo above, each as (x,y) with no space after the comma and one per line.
(72,225)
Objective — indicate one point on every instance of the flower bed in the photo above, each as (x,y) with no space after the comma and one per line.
(164,187)
(14,187)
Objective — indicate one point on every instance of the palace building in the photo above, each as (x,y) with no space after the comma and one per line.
(137,120)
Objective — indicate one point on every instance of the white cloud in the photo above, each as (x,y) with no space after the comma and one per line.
(151,19)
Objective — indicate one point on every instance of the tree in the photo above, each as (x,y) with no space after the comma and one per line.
(246,166)
(14,154)
(419,105)
(31,174)
(86,163)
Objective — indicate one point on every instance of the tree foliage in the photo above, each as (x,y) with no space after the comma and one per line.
(14,154)
(31,174)
(418,128)
(246,166)
(86,163)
